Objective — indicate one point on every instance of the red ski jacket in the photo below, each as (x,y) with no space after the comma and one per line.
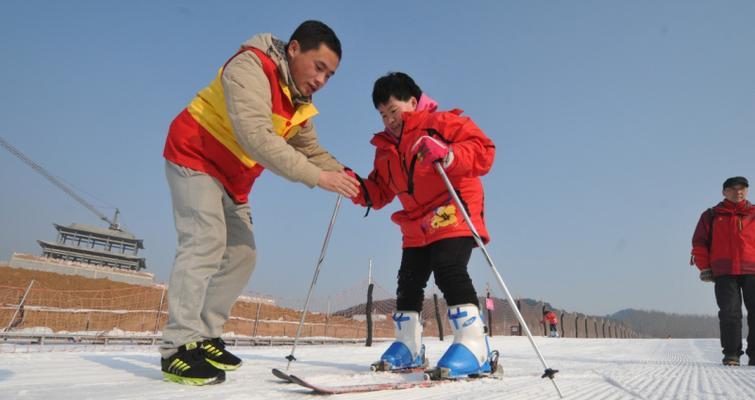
(724,239)
(429,213)
(550,318)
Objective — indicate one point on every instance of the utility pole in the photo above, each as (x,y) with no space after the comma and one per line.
(489,305)
(438,319)
(368,308)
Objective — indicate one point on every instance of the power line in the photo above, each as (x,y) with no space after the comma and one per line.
(57,182)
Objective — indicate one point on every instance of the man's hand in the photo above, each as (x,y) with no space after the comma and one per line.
(338,182)
(430,149)
(706,275)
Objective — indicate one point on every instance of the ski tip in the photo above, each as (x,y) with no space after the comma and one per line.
(286,378)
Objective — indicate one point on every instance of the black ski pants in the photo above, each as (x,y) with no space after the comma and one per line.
(447,259)
(730,290)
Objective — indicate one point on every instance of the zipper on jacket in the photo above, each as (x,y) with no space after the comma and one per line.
(410,178)
(390,177)
(409,184)
(402,161)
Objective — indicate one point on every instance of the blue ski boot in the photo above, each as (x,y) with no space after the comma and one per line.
(469,354)
(407,351)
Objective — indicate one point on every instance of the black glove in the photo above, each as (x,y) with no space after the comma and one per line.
(706,275)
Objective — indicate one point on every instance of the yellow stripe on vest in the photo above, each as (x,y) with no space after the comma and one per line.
(209,109)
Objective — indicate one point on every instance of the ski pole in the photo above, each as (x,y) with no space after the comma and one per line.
(549,373)
(291,357)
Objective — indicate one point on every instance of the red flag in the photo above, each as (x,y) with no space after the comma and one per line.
(489,304)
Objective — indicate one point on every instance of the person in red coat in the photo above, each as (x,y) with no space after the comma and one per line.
(550,318)
(723,249)
(436,238)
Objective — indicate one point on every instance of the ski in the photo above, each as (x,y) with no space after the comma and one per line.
(429,377)
(370,387)
(282,375)
(286,378)
(376,387)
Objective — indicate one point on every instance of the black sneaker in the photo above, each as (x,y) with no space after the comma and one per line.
(189,367)
(731,361)
(216,354)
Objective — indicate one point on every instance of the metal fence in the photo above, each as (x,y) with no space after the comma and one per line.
(139,311)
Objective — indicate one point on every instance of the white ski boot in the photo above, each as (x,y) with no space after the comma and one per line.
(407,351)
(469,355)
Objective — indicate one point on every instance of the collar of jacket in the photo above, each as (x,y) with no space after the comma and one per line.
(276,50)
(727,207)
(425,103)
(383,139)
(412,120)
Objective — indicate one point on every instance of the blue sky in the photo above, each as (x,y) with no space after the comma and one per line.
(616,123)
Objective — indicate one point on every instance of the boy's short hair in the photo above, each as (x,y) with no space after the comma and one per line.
(396,84)
(310,34)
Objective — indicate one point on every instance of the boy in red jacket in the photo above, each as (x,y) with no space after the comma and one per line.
(723,248)
(436,238)
(552,320)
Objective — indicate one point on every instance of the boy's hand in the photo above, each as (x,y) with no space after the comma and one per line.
(338,182)
(429,150)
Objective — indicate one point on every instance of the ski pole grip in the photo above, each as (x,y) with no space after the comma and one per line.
(550,373)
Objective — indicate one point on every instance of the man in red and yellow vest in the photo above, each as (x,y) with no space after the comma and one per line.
(723,249)
(255,115)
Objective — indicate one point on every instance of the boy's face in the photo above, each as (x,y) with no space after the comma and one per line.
(391,111)
(311,69)
(735,193)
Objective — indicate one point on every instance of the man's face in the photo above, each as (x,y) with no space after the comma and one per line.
(311,69)
(735,193)
(391,111)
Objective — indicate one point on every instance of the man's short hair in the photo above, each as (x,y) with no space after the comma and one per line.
(736,180)
(396,84)
(310,34)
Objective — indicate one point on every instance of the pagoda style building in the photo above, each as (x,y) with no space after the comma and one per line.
(97,246)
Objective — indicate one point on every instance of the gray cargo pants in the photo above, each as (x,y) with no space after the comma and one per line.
(214,259)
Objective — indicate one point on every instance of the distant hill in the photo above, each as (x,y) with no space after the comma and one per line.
(662,324)
(654,324)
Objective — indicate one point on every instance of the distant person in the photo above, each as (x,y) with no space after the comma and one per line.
(436,239)
(723,249)
(550,318)
(255,115)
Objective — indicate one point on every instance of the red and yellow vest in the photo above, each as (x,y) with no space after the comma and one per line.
(202,138)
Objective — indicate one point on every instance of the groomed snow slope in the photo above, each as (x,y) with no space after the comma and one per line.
(590,369)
